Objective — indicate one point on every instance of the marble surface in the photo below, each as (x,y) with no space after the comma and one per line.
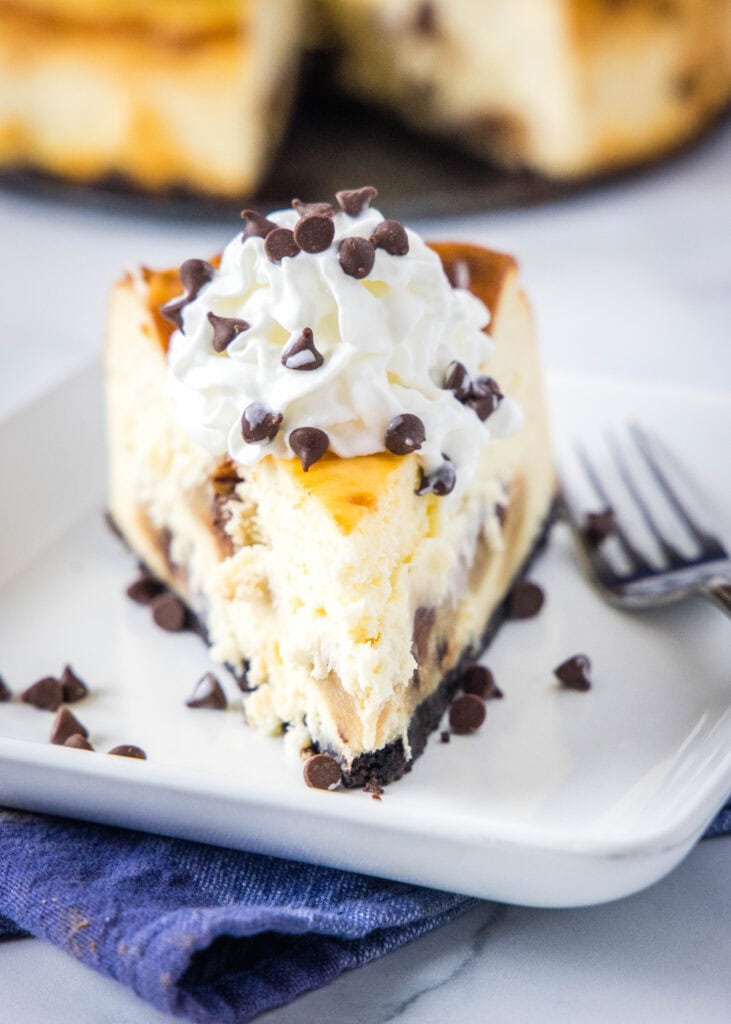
(632,280)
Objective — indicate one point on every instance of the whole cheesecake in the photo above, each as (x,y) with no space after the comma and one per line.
(337,455)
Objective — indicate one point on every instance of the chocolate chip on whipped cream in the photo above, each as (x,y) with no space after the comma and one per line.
(208,693)
(309,444)
(355,200)
(484,397)
(66,724)
(441,482)
(313,209)
(391,237)
(74,689)
(300,352)
(356,256)
(255,225)
(225,329)
(457,380)
(260,423)
(404,434)
(280,244)
(314,233)
(193,275)
(322,771)
(46,694)
(574,673)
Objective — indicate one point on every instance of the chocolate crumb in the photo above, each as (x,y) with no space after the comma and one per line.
(484,397)
(322,771)
(573,673)
(444,736)
(46,694)
(78,742)
(225,329)
(312,209)
(404,434)
(466,714)
(259,423)
(440,482)
(391,237)
(145,589)
(598,526)
(208,693)
(5,692)
(301,354)
(309,444)
(169,613)
(354,201)
(374,787)
(256,225)
(279,244)
(525,600)
(458,381)
(356,257)
(193,275)
(74,688)
(314,234)
(128,750)
(479,680)
(66,724)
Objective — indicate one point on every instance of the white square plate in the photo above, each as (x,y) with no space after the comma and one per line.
(562,798)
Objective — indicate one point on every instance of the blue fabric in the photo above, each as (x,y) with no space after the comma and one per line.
(208,934)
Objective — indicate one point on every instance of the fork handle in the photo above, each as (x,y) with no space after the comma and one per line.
(718,591)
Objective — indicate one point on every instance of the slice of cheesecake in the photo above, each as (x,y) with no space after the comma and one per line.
(165,95)
(567,88)
(344,590)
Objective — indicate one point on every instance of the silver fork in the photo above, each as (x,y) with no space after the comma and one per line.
(642,582)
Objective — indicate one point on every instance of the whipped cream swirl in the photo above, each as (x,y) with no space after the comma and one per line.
(381,346)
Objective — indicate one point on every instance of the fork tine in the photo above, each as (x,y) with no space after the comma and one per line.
(708,543)
(669,551)
(638,560)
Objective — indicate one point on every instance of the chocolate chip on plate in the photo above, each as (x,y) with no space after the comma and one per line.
(466,714)
(309,444)
(208,693)
(525,600)
(440,482)
(405,434)
(66,724)
(259,423)
(322,771)
(314,234)
(479,680)
(46,694)
(313,209)
(356,256)
(391,237)
(573,673)
(353,201)
(5,692)
(145,589)
(598,525)
(256,225)
(279,244)
(169,613)
(225,329)
(74,688)
(128,750)
(444,736)
(301,354)
(78,742)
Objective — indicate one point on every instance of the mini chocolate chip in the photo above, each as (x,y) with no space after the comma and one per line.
(479,680)
(353,201)
(322,771)
(391,237)
(280,243)
(525,600)
(484,396)
(193,275)
(78,742)
(309,444)
(225,329)
(74,688)
(260,423)
(598,526)
(573,673)
(440,482)
(312,209)
(255,225)
(208,693)
(444,735)
(458,381)
(46,694)
(128,750)
(169,613)
(66,724)
(356,256)
(145,589)
(466,714)
(314,234)
(425,19)
(300,353)
(405,434)
(5,692)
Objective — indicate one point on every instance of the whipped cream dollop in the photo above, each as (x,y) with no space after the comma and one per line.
(292,355)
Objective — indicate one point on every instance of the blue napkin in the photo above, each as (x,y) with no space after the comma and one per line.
(208,934)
